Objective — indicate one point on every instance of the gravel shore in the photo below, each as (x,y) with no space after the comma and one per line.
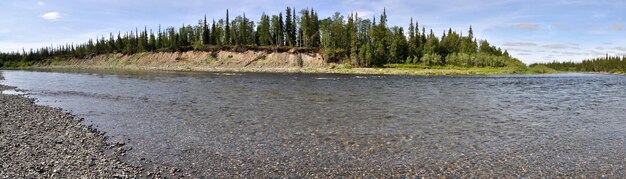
(42,142)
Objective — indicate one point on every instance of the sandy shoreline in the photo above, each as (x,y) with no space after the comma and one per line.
(337,70)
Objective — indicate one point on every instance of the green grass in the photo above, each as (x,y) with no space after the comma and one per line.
(17,65)
(541,69)
(463,70)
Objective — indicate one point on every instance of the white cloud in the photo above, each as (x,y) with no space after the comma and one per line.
(51,16)
(623,49)
(527,26)
(520,44)
(41,3)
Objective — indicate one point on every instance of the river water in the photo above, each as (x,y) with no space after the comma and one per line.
(255,124)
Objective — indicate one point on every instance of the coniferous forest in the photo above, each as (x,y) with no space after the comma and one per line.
(611,64)
(352,40)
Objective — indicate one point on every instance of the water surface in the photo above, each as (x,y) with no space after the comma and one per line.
(207,123)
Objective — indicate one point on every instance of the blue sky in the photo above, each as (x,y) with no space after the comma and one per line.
(531,30)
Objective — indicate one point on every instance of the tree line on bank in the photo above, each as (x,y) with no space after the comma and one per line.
(350,40)
(612,64)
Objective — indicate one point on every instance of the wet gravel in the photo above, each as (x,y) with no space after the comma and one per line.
(44,142)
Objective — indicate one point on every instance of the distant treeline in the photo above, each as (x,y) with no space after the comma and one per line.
(611,64)
(351,40)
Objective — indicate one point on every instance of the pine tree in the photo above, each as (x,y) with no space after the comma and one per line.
(432,44)
(380,41)
(290,31)
(314,29)
(399,46)
(338,40)
(160,39)
(468,45)
(413,41)
(304,28)
(111,43)
(227,30)
(485,47)
(215,36)
(353,39)
(281,30)
(206,38)
(294,27)
(263,31)
(152,44)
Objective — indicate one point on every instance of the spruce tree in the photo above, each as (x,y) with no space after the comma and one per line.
(294,27)
(152,44)
(413,41)
(281,30)
(263,31)
(227,30)
(353,39)
(215,37)
(305,27)
(119,43)
(290,32)
(206,38)
(314,29)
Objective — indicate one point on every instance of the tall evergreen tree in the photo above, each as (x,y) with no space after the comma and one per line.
(281,29)
(314,29)
(277,30)
(206,37)
(152,44)
(353,39)
(263,31)
(215,35)
(399,46)
(290,31)
(413,42)
(227,30)
(305,27)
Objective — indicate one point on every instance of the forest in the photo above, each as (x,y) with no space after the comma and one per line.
(351,40)
(610,64)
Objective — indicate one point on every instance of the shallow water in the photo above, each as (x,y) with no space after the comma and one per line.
(206,123)
(12,92)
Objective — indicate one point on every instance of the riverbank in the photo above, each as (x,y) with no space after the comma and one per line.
(261,61)
(44,142)
(444,71)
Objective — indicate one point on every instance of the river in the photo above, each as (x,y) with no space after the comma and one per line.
(258,124)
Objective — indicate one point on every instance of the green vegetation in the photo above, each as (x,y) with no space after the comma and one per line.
(352,41)
(607,64)
(539,69)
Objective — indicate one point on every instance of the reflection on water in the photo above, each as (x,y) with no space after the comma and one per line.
(324,122)
(12,92)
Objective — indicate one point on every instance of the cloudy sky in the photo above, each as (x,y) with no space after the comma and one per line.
(531,30)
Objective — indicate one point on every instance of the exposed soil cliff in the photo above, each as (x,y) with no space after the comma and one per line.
(201,59)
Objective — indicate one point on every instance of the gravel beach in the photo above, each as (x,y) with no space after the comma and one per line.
(43,142)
